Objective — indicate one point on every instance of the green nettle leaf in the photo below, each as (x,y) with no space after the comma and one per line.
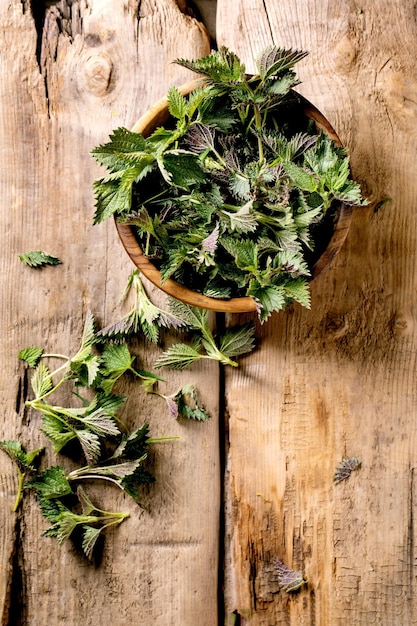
(177,103)
(134,445)
(41,381)
(31,355)
(24,460)
(240,186)
(90,536)
(192,316)
(102,424)
(57,430)
(298,290)
(221,66)
(244,220)
(179,356)
(273,61)
(188,405)
(38,259)
(244,251)
(90,444)
(183,168)
(123,144)
(51,483)
(302,179)
(237,340)
(271,298)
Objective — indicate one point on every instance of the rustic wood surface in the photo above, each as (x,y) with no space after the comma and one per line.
(338,381)
(334,382)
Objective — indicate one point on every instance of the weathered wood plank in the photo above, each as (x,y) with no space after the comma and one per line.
(70,73)
(339,380)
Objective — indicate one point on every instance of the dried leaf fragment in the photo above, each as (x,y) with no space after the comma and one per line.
(345,468)
(289,579)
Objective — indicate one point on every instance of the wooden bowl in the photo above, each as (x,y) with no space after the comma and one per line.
(156,116)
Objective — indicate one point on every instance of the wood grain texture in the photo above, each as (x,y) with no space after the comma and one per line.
(339,380)
(71,72)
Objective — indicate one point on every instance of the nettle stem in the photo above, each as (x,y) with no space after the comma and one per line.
(20,485)
(258,126)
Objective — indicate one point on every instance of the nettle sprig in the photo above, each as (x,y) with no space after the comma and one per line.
(149,319)
(227,198)
(232,342)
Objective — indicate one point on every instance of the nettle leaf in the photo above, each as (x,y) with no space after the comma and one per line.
(175,257)
(244,220)
(188,405)
(178,356)
(102,424)
(134,445)
(114,196)
(90,537)
(122,142)
(116,359)
(237,340)
(270,298)
(244,251)
(191,315)
(41,381)
(221,66)
(240,185)
(298,290)
(300,177)
(274,60)
(31,355)
(56,430)
(38,259)
(90,444)
(183,168)
(177,103)
(350,193)
(51,483)
(345,468)
(24,460)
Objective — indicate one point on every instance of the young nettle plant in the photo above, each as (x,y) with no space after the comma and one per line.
(228,196)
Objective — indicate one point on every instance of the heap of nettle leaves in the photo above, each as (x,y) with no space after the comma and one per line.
(226,198)
(90,427)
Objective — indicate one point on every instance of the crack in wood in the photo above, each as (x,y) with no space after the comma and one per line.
(52,19)
(14,610)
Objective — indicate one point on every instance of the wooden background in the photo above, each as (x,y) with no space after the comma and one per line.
(256,482)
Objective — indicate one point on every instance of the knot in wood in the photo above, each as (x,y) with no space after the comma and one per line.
(97,72)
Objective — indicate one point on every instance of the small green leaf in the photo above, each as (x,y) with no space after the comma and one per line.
(237,340)
(177,104)
(179,357)
(274,60)
(90,443)
(300,177)
(188,404)
(90,536)
(31,355)
(24,460)
(38,259)
(51,483)
(41,381)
